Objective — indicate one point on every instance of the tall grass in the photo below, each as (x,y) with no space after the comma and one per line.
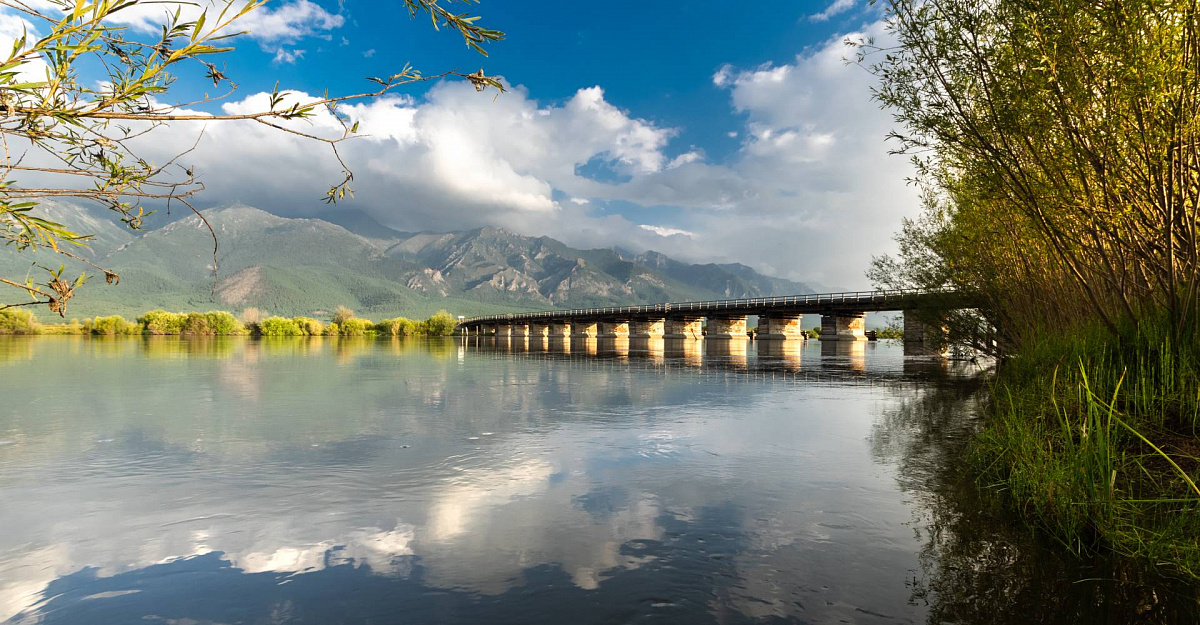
(1096,440)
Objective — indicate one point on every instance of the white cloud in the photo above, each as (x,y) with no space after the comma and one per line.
(284,55)
(271,23)
(665,232)
(838,7)
(369,53)
(810,194)
(12,28)
(685,158)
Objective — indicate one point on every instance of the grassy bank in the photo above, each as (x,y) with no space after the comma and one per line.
(221,323)
(1094,439)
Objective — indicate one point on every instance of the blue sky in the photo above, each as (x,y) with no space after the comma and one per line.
(655,59)
(710,131)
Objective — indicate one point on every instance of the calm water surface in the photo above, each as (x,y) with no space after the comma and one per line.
(163,480)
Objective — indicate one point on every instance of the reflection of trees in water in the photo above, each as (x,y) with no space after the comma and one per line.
(15,349)
(980,563)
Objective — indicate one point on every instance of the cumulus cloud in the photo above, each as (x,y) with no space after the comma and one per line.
(809,194)
(838,7)
(272,23)
(13,28)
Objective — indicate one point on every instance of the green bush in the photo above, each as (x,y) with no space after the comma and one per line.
(279,326)
(396,327)
(440,324)
(310,326)
(162,322)
(356,327)
(114,325)
(17,322)
(193,323)
(221,322)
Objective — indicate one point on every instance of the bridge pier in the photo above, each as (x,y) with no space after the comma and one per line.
(923,338)
(583,329)
(539,330)
(560,330)
(520,330)
(647,328)
(726,328)
(781,327)
(684,328)
(843,326)
(613,329)
(504,330)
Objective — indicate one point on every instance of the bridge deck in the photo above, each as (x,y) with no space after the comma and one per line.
(825,303)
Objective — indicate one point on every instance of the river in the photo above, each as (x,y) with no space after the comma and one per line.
(233,480)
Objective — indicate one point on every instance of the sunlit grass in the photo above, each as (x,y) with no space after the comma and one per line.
(1095,440)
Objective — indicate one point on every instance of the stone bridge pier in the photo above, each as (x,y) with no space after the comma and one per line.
(648,328)
(559,330)
(923,337)
(777,327)
(684,328)
(843,326)
(727,328)
(616,329)
(583,329)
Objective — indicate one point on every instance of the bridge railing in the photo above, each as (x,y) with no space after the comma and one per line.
(781,301)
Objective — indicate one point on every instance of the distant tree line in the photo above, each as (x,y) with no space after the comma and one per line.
(220,323)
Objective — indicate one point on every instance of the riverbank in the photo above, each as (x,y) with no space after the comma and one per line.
(221,323)
(1094,439)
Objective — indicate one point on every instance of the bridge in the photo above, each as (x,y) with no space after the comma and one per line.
(779,318)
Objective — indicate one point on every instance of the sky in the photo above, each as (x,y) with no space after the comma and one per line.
(709,131)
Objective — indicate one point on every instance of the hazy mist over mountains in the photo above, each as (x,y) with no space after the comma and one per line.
(295,266)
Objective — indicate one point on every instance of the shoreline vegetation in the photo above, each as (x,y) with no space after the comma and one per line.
(251,322)
(1057,150)
(1094,440)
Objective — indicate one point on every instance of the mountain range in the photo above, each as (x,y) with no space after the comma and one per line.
(307,266)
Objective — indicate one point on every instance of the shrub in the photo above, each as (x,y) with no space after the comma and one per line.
(279,326)
(114,325)
(440,324)
(342,315)
(162,322)
(221,322)
(356,327)
(396,327)
(332,329)
(18,322)
(310,326)
(194,323)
